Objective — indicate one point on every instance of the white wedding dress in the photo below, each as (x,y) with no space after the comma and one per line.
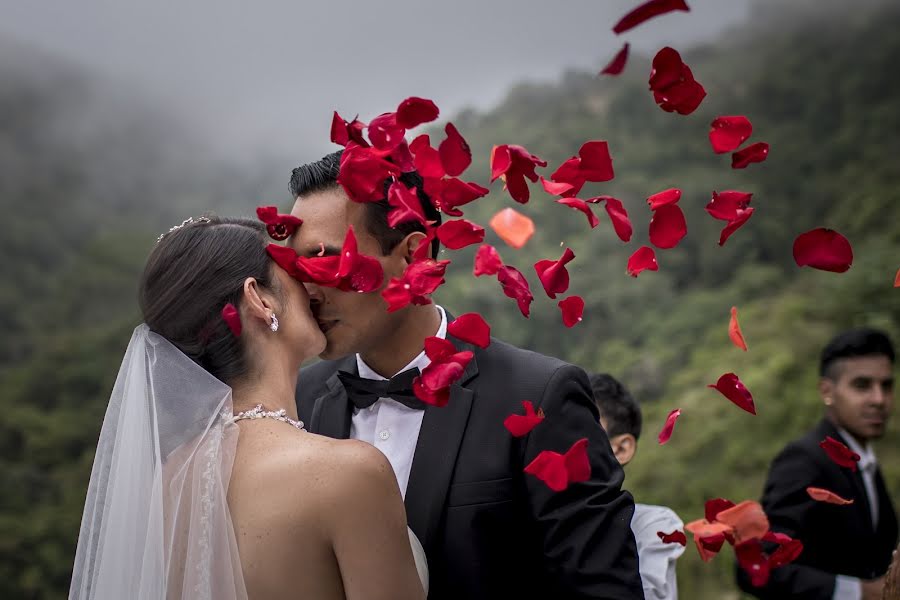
(156,524)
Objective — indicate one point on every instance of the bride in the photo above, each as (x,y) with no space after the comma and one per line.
(204,485)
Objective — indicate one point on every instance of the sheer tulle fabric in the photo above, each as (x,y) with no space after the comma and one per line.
(156,523)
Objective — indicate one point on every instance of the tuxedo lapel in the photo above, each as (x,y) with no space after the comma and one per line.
(854,477)
(331,413)
(435,457)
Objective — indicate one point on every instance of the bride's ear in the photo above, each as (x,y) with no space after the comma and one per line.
(258,303)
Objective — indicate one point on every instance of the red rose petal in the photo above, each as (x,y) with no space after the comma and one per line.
(414,111)
(582,206)
(734,331)
(446,368)
(673,84)
(384,132)
(516,286)
(643,259)
(669,426)
(558,471)
(708,537)
(472,328)
(405,205)
(513,227)
(343,133)
(455,153)
(676,537)
(667,226)
(730,386)
(728,133)
(427,160)
(823,249)
(450,193)
(664,198)
(839,453)
(513,164)
(556,189)
(572,310)
(646,11)
(753,561)
(753,153)
(618,215)
(747,520)
(553,273)
(363,172)
(596,163)
(713,507)
(279,227)
(897,279)
(725,205)
(419,279)
(487,261)
(232,318)
(617,64)
(743,215)
(520,425)
(823,495)
(284,257)
(460,233)
(786,553)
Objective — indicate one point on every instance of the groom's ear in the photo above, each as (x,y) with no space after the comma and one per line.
(408,246)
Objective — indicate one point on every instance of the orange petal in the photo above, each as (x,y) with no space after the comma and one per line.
(748,520)
(897,279)
(734,331)
(513,227)
(825,496)
(701,528)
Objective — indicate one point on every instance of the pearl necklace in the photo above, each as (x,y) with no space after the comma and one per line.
(259,413)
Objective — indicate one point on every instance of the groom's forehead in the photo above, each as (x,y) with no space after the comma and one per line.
(326,217)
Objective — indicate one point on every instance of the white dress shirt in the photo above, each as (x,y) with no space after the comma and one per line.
(390,426)
(656,559)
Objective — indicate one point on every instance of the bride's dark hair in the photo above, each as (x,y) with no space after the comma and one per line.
(191,274)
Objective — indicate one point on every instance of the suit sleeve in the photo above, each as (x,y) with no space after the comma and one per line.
(589,548)
(788,506)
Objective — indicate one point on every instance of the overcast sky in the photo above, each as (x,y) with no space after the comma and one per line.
(266,75)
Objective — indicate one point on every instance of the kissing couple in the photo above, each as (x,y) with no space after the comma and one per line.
(225,471)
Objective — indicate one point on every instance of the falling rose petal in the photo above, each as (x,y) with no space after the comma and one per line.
(728,133)
(357,272)
(284,257)
(420,279)
(414,111)
(403,158)
(726,205)
(279,227)
(558,471)
(617,64)
(424,249)
(450,193)
(512,227)
(823,249)
(446,368)
(514,164)
(676,537)
(664,198)
(713,507)
(752,559)
(730,386)
(669,426)
(426,159)
(487,261)
(572,310)
(363,172)
(232,318)
(646,11)
(743,215)
(460,233)
(405,205)
(673,84)
(897,279)
(747,520)
(521,425)
(472,328)
(822,495)
(618,215)
(667,226)
(787,552)
(753,153)
(384,131)
(556,189)
(643,259)
(516,286)
(708,537)
(596,162)
(454,152)
(840,454)
(581,206)
(734,331)
(569,173)
(553,273)
(343,133)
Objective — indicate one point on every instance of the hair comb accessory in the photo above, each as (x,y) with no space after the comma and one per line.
(188,221)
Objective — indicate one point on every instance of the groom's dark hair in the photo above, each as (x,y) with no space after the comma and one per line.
(617,406)
(191,274)
(323,174)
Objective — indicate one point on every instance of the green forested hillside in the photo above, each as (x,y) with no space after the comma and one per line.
(82,206)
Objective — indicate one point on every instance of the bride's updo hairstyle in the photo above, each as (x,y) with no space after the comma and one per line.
(191,274)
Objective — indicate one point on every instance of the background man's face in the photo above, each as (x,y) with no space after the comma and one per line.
(861,395)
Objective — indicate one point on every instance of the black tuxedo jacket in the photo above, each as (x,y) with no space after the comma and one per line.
(837,540)
(488,529)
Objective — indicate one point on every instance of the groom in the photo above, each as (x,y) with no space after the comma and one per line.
(489,530)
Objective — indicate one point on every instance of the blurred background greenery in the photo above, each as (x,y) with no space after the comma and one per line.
(85,191)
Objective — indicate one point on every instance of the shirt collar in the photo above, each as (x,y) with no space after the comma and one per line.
(866,454)
(421,361)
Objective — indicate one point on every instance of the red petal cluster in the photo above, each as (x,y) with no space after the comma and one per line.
(667,225)
(449,193)
(728,133)
(487,261)
(364,172)
(734,331)
(643,259)
(419,279)
(351,271)
(513,164)
(730,386)
(516,286)
(572,310)
(673,85)
(472,328)
(343,133)
(593,163)
(617,64)
(823,249)
(731,206)
(839,453)
(460,233)
(822,495)
(405,205)
(279,227)
(669,426)
(447,366)
(557,470)
(553,273)
(232,318)
(646,11)
(520,425)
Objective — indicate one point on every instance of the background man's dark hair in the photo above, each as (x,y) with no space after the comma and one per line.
(191,274)
(617,407)
(855,342)
(322,175)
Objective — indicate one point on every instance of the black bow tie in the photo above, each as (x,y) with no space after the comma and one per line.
(364,392)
